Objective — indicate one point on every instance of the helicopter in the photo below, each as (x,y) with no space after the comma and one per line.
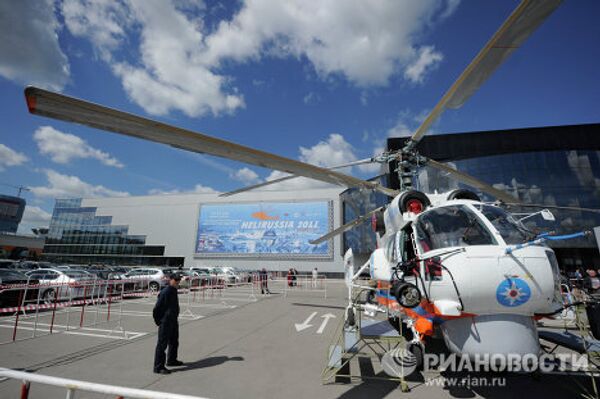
(446,263)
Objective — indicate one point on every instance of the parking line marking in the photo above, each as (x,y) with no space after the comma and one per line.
(129,334)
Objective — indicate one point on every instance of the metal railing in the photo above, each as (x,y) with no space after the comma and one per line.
(305,283)
(36,307)
(72,386)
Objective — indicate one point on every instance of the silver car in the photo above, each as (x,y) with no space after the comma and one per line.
(154,276)
(65,284)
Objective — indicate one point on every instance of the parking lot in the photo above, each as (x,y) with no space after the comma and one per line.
(235,342)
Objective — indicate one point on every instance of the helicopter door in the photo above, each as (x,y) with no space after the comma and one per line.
(431,269)
(406,248)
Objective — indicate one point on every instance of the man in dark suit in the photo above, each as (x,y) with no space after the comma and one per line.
(165,315)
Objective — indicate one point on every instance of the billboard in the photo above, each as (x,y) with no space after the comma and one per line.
(266,229)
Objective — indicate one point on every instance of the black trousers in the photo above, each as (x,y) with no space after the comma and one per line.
(168,336)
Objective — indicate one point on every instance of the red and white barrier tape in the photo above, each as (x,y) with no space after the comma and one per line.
(52,305)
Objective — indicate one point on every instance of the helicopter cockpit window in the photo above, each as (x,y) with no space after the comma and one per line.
(451,226)
(511,230)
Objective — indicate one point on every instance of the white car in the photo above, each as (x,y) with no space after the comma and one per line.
(228,274)
(155,276)
(65,284)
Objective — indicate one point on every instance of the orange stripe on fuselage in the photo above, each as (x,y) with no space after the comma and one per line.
(430,310)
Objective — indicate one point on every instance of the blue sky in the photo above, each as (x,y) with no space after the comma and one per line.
(323,82)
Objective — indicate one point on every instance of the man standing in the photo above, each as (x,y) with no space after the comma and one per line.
(264,281)
(315,277)
(165,315)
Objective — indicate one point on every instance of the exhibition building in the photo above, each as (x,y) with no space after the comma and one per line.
(552,166)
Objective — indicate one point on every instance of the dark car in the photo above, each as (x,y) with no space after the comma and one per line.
(13,285)
(6,263)
(103,272)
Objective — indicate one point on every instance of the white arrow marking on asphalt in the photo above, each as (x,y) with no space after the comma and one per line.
(326,318)
(305,325)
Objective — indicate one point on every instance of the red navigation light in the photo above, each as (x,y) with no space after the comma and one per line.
(31,103)
(415,206)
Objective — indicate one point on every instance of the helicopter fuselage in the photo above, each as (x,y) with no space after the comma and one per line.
(472,289)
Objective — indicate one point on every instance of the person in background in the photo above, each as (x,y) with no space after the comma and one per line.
(290,275)
(591,282)
(315,276)
(264,282)
(294,277)
(165,315)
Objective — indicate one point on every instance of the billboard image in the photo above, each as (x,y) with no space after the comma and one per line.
(272,229)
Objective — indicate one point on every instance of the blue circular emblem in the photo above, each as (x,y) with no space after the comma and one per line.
(513,292)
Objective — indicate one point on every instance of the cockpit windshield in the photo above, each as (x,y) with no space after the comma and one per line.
(451,226)
(511,230)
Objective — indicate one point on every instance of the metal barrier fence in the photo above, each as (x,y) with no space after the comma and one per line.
(72,386)
(305,283)
(37,307)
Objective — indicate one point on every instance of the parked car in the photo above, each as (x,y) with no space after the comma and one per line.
(119,271)
(103,272)
(13,296)
(27,265)
(231,276)
(208,275)
(155,276)
(67,284)
(226,275)
(6,263)
(191,278)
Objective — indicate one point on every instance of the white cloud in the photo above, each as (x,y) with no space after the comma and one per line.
(364,98)
(198,189)
(246,176)
(64,147)
(373,167)
(326,153)
(181,59)
(65,186)
(33,217)
(10,157)
(400,129)
(311,98)
(29,46)
(36,215)
(331,152)
(171,73)
(404,126)
(297,183)
(451,6)
(364,41)
(427,60)
(102,21)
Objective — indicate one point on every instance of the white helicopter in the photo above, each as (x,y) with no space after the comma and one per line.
(446,262)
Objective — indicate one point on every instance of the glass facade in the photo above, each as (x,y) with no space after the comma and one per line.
(78,235)
(563,178)
(356,203)
(560,178)
(11,213)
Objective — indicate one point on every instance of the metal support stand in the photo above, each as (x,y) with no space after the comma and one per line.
(361,341)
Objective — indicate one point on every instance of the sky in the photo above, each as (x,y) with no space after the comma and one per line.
(322,82)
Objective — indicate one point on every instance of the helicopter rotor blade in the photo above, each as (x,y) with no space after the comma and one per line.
(523,21)
(347,226)
(70,109)
(473,182)
(563,208)
(285,178)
